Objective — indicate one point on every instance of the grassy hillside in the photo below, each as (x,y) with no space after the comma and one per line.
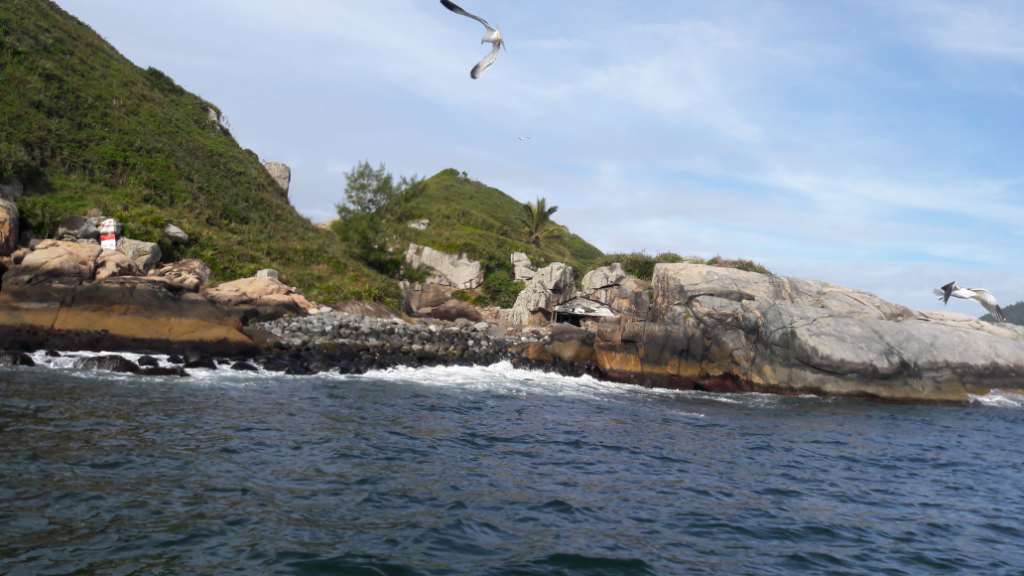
(484,222)
(82,127)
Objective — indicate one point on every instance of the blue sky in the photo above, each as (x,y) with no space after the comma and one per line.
(873,144)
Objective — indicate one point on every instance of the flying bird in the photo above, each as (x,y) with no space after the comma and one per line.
(523,139)
(984,297)
(492,35)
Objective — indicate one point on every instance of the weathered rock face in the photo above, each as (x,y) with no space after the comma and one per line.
(455,309)
(281,174)
(603,277)
(54,262)
(175,234)
(267,296)
(187,275)
(420,299)
(726,329)
(549,287)
(146,255)
(459,272)
(121,313)
(522,268)
(9,233)
(268,273)
(111,263)
(624,294)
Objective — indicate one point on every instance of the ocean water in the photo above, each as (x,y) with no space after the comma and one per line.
(494,470)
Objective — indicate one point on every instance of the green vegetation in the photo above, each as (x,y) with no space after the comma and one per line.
(82,127)
(641,265)
(537,219)
(484,223)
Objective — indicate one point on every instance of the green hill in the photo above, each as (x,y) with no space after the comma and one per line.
(484,223)
(82,127)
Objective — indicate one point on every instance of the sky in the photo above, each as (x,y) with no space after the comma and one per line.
(872,144)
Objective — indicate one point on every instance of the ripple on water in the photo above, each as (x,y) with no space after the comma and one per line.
(494,470)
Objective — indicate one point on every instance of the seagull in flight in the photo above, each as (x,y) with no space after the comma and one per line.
(492,35)
(984,297)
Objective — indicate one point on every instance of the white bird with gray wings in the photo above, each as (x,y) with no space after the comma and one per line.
(982,296)
(492,36)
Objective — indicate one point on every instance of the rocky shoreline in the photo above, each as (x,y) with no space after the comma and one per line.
(692,326)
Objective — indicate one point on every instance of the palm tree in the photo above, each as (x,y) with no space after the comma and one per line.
(537,219)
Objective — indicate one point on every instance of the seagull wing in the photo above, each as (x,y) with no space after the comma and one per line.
(989,302)
(946,291)
(486,62)
(458,10)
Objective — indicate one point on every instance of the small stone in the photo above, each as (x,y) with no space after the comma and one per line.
(111,363)
(244,367)
(175,234)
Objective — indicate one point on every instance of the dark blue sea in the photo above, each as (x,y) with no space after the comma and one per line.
(495,471)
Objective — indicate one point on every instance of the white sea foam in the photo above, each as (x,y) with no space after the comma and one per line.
(999,399)
(501,378)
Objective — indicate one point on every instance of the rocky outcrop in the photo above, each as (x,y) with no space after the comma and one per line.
(549,287)
(9,232)
(187,275)
(622,293)
(458,272)
(281,174)
(455,309)
(111,263)
(420,224)
(54,262)
(725,329)
(523,269)
(121,313)
(419,299)
(261,297)
(268,273)
(145,255)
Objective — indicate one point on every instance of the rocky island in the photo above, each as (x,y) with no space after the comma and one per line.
(209,261)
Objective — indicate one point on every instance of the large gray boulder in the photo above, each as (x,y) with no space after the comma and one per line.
(145,255)
(522,268)
(459,272)
(9,232)
(550,286)
(726,329)
(281,174)
(612,286)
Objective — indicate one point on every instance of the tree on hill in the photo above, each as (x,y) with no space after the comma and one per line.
(372,202)
(537,219)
